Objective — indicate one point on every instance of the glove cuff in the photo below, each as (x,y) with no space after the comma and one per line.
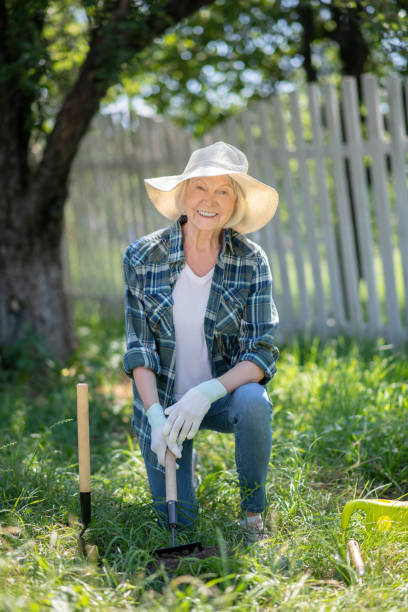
(212,389)
(155,415)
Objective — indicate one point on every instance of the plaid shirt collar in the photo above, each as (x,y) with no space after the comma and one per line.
(176,251)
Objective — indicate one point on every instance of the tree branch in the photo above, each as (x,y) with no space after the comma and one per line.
(120,37)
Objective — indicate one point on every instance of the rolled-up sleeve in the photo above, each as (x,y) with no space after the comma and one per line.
(140,342)
(259,322)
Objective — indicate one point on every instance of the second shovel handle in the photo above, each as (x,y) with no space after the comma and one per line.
(171,478)
(355,556)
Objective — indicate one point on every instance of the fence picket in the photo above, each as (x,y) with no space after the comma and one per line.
(142,173)
(251,155)
(289,323)
(320,323)
(284,157)
(398,171)
(360,200)
(311,240)
(232,131)
(266,174)
(348,252)
(377,149)
(327,228)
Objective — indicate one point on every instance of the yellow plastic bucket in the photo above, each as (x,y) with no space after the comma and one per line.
(381,514)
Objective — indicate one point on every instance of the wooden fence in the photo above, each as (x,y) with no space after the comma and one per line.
(338,245)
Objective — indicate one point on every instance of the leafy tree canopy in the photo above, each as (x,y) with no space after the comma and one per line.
(46,42)
(212,63)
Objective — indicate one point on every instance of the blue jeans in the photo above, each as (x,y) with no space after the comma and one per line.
(246,412)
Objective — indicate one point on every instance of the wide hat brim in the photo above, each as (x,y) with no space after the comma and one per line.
(262,200)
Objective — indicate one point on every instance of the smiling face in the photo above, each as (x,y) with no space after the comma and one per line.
(209,202)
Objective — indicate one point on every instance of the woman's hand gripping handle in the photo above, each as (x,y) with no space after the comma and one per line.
(186,415)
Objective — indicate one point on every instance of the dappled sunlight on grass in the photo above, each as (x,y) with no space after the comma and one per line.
(340,432)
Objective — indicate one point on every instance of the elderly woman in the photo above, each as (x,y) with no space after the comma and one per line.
(200,319)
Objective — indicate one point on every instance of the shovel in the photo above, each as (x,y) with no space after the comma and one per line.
(171,499)
(90,551)
(84,458)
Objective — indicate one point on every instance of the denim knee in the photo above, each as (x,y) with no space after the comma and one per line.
(252,405)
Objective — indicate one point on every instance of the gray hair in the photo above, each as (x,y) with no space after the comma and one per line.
(240,206)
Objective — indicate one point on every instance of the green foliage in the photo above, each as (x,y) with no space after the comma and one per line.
(46,45)
(46,42)
(200,70)
(210,65)
(339,432)
(24,359)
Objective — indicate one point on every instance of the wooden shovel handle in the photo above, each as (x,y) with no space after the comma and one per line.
(355,556)
(83,438)
(171,478)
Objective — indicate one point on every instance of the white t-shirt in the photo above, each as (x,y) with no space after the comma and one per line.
(190,296)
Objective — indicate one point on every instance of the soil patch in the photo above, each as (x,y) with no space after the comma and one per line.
(171,561)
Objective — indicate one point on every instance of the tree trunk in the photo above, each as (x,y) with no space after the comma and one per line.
(32,199)
(354,50)
(306,17)
(31,288)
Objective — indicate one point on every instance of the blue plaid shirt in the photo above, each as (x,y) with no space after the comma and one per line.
(239,321)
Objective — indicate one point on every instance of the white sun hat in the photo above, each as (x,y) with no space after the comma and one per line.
(216,160)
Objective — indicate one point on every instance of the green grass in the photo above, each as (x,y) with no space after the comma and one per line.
(340,432)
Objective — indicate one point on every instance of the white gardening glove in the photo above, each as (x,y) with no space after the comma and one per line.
(185,416)
(160,442)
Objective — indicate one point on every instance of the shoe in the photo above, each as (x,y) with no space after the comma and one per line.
(253,529)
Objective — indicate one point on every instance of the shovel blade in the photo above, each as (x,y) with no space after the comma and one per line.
(181,549)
